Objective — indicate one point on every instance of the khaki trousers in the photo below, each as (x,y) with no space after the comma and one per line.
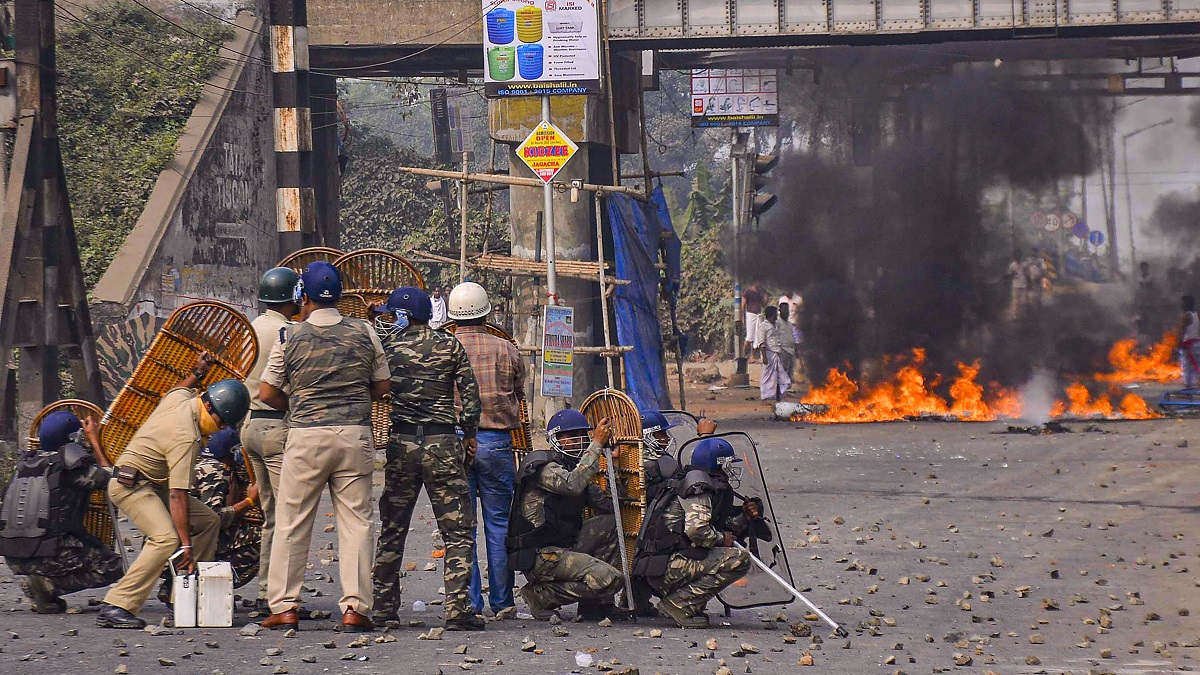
(147,508)
(264,440)
(341,458)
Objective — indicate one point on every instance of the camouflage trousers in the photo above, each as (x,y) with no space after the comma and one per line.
(690,584)
(437,463)
(588,572)
(240,546)
(82,562)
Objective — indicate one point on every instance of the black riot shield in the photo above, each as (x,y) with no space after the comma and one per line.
(683,426)
(757,588)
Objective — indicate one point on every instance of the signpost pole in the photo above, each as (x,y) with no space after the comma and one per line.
(462,209)
(548,219)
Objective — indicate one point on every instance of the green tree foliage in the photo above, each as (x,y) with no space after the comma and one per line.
(706,287)
(384,207)
(128,81)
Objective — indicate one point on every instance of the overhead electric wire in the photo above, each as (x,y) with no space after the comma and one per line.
(66,14)
(469,25)
(217,16)
(218,45)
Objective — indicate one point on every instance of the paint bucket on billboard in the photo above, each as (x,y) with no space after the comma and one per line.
(502,63)
(529,24)
(501,25)
(529,61)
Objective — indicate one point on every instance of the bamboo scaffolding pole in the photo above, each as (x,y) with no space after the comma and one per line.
(523,182)
(522,267)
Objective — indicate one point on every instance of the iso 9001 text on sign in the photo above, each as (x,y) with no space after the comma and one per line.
(546,151)
(558,347)
(541,47)
(735,97)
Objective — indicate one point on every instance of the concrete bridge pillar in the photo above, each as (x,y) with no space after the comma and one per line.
(584,119)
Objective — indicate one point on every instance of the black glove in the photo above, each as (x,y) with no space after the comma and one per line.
(597,499)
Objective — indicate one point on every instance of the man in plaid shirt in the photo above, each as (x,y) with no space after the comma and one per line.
(500,373)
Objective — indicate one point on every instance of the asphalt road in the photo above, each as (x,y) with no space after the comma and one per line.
(932,543)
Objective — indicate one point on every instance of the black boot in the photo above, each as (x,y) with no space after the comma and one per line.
(111,616)
(598,611)
(466,622)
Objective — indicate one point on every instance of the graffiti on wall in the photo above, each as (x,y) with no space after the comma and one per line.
(120,346)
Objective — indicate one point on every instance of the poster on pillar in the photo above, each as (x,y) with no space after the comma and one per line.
(546,151)
(558,352)
(541,47)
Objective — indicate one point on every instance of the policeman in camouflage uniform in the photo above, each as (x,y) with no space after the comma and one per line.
(685,549)
(565,558)
(427,366)
(325,371)
(65,558)
(220,468)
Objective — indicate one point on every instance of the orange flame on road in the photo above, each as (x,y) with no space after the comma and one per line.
(1132,365)
(909,394)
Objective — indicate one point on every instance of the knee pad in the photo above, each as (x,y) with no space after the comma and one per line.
(602,578)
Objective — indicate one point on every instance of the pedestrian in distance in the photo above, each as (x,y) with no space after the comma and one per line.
(438,303)
(776,378)
(1189,343)
(324,371)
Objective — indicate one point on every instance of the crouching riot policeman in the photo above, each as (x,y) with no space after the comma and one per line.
(41,519)
(220,469)
(565,558)
(685,549)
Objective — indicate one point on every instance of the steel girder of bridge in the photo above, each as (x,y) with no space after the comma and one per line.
(759,22)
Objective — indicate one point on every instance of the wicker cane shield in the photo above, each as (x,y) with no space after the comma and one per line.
(300,259)
(368,277)
(97,519)
(627,435)
(522,437)
(200,326)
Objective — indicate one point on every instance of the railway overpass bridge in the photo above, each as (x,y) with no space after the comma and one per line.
(381,37)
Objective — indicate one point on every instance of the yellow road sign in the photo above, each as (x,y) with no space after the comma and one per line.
(546,151)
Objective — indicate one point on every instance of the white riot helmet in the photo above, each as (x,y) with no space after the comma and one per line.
(468,300)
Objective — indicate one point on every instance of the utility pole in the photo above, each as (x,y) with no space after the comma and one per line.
(44,304)
(1133,262)
(295,199)
(738,153)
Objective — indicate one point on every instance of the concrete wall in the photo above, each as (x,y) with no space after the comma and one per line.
(208,229)
(391,22)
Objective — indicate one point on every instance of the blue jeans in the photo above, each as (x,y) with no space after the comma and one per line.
(491,480)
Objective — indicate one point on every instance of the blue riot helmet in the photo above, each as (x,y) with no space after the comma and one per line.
(716,455)
(562,423)
(654,428)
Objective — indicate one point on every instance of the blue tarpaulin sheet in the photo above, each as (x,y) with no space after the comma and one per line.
(637,230)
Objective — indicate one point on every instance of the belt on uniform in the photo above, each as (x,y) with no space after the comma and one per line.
(267,414)
(408,429)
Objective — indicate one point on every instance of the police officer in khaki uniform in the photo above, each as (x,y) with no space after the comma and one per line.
(331,368)
(151,483)
(265,431)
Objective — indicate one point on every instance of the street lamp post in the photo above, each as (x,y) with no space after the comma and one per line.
(1128,194)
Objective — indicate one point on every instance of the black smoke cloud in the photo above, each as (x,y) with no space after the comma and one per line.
(900,255)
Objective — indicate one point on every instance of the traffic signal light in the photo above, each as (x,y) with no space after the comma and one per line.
(761,201)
